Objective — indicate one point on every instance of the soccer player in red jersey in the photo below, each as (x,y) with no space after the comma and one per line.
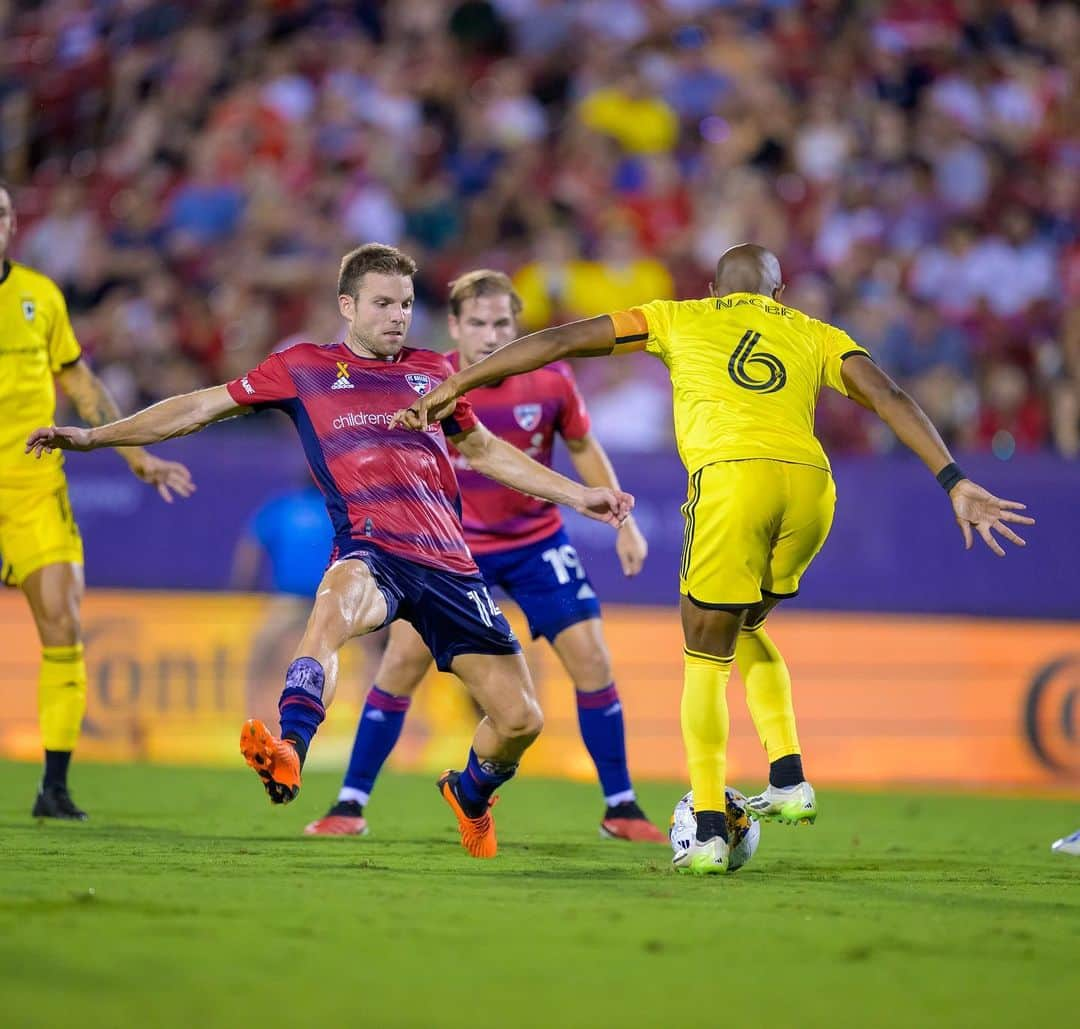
(520,546)
(394,503)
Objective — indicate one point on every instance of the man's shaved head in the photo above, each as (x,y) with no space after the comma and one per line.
(748,268)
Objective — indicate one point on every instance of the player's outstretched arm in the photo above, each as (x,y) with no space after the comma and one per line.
(974,507)
(593,465)
(96,406)
(177,416)
(498,460)
(593,337)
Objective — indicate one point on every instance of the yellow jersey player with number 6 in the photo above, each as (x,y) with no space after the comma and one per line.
(761,497)
(746,371)
(40,547)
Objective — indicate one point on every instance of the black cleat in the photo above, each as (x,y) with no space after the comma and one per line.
(626,821)
(56,802)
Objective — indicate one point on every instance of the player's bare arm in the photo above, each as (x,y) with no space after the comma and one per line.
(499,460)
(177,416)
(595,469)
(592,337)
(96,407)
(974,507)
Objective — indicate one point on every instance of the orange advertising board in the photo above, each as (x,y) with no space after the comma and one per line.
(879,699)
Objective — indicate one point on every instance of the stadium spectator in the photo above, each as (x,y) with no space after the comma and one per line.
(887,152)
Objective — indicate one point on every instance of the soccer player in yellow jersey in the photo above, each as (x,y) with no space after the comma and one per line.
(40,547)
(746,372)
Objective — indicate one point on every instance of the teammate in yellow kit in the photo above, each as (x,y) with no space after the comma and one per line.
(40,547)
(746,372)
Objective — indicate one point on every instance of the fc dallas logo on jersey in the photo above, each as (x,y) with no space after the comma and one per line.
(420,383)
(527,415)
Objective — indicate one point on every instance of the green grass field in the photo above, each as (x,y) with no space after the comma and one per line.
(189,901)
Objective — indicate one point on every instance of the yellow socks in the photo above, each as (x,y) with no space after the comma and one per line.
(61,696)
(768,692)
(704,715)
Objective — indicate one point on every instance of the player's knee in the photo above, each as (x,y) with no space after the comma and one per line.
(592,670)
(711,631)
(401,674)
(524,723)
(59,622)
(533,723)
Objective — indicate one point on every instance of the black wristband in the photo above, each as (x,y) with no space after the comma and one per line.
(949,476)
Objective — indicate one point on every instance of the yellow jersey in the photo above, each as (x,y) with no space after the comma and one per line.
(745,373)
(36,342)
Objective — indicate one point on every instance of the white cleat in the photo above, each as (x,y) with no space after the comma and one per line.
(793,805)
(708,858)
(1067,844)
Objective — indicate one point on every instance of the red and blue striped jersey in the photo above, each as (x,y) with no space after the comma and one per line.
(528,411)
(393,487)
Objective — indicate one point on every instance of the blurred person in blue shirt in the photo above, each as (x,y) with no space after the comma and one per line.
(287,541)
(292,533)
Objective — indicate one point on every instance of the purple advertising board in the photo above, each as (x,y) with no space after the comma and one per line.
(893,547)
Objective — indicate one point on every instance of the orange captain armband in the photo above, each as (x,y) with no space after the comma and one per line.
(631,329)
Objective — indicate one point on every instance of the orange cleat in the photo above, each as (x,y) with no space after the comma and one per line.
(628,822)
(276,761)
(345,818)
(477,834)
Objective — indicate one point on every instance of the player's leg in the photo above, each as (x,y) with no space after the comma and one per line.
(468,635)
(402,668)
(43,556)
(768,695)
(54,593)
(501,686)
(549,583)
(810,498)
(731,514)
(349,602)
(272,647)
(584,654)
(709,635)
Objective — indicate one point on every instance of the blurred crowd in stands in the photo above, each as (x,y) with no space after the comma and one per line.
(190,173)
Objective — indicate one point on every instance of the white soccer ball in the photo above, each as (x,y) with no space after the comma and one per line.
(743,834)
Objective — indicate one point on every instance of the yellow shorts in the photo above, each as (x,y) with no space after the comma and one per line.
(752,529)
(37,528)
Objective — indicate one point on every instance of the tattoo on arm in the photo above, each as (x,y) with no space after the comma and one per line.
(94,402)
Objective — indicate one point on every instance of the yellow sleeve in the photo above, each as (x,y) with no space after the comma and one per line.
(64,348)
(835,346)
(648,323)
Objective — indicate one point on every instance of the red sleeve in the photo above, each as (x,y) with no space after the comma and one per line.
(266,383)
(462,420)
(573,421)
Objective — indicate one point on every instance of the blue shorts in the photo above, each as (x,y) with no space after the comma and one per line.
(453,613)
(547,581)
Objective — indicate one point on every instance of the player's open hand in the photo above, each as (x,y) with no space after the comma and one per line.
(976,508)
(58,437)
(605,505)
(168,477)
(632,548)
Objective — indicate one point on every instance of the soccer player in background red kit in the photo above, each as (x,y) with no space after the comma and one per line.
(393,499)
(521,547)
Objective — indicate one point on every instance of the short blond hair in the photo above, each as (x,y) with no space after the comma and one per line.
(484,282)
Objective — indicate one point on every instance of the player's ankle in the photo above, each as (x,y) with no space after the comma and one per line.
(298,744)
(472,806)
(786,771)
(711,824)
